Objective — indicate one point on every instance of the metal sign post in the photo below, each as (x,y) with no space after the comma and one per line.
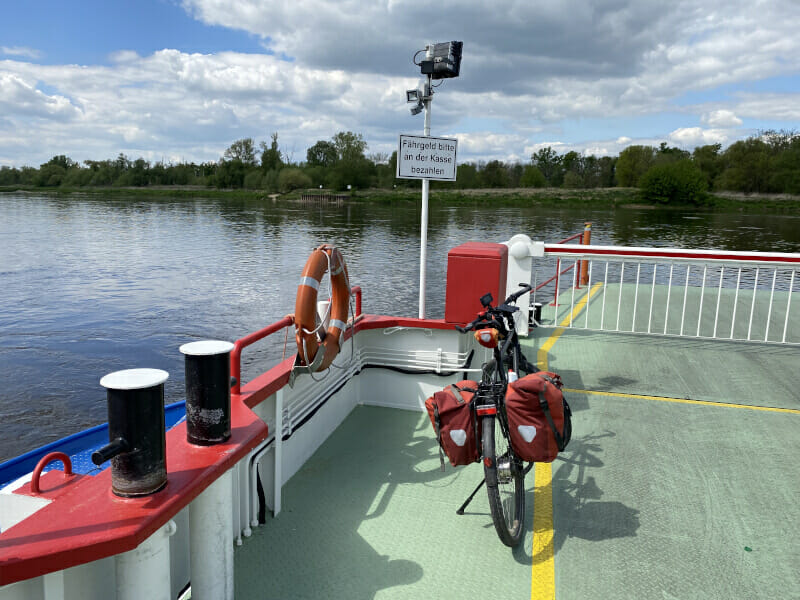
(426,184)
(441,61)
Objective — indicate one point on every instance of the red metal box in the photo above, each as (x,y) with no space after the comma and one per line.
(473,269)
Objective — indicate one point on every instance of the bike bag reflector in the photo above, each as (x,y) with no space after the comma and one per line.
(452,415)
(487,337)
(539,418)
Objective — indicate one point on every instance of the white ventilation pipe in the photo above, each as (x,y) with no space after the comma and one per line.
(521,251)
(211,547)
(144,572)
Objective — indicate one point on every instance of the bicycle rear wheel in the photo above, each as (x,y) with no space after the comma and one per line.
(505,483)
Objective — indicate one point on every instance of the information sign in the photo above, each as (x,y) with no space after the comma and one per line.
(425,157)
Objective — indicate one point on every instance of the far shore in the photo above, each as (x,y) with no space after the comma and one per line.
(600,197)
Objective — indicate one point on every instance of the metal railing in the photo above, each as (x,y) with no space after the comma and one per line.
(580,267)
(747,296)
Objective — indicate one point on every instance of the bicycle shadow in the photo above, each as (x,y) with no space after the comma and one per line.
(578,510)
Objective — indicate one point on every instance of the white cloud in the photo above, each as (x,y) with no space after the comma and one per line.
(121,56)
(721,118)
(21,51)
(778,107)
(533,68)
(191,104)
(487,144)
(559,147)
(690,137)
(21,97)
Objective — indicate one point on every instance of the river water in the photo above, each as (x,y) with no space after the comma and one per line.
(89,286)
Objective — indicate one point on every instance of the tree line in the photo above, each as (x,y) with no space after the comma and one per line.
(766,163)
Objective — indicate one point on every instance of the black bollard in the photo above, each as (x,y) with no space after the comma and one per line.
(208,391)
(136,432)
(537,314)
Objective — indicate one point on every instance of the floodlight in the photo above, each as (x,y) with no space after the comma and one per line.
(415,110)
(446,61)
(412,95)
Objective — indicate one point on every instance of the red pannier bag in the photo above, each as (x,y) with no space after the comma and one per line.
(453,418)
(539,418)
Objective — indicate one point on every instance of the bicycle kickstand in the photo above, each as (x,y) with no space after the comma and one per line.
(460,511)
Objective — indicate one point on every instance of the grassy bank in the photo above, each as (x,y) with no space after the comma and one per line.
(598,197)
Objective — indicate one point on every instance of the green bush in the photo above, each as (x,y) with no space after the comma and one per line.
(572,181)
(252,181)
(292,179)
(532,177)
(50,175)
(633,163)
(77,177)
(680,182)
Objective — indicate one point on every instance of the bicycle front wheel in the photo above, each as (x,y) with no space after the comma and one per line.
(505,483)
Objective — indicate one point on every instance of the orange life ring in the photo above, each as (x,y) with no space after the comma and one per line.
(305,311)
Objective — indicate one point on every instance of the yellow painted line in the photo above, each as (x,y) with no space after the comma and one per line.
(791,411)
(543,567)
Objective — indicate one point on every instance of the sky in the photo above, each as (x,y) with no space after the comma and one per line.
(180,80)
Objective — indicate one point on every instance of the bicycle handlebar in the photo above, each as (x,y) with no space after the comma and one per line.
(525,288)
(482,319)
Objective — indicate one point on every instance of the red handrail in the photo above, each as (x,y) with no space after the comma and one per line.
(570,238)
(356,291)
(541,285)
(249,340)
(558,265)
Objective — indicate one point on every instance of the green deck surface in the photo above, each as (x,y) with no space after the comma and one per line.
(652,499)
(370,515)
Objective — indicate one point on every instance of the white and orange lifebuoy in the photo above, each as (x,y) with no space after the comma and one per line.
(305,311)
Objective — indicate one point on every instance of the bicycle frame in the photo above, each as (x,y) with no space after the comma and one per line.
(490,398)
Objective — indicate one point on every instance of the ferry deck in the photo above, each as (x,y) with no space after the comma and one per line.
(681,481)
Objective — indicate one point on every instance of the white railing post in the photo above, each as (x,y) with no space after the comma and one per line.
(636,295)
(702,296)
(753,304)
(736,300)
(619,302)
(771,297)
(652,297)
(719,295)
(788,307)
(685,295)
(278,453)
(605,287)
(669,293)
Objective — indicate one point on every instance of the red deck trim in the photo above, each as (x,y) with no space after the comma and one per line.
(262,387)
(86,522)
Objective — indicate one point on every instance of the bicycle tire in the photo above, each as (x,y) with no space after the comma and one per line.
(506,490)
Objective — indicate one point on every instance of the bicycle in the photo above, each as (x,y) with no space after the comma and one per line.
(504,473)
